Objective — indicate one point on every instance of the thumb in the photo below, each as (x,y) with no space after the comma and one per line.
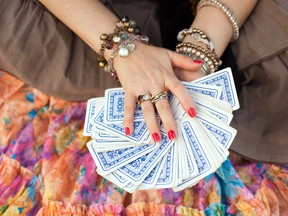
(184,62)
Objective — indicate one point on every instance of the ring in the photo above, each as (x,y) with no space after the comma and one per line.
(142,98)
(159,96)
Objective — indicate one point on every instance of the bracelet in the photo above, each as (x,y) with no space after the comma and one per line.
(205,67)
(226,10)
(124,27)
(123,49)
(198,36)
(209,58)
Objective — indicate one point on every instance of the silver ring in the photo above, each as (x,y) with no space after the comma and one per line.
(160,96)
(142,98)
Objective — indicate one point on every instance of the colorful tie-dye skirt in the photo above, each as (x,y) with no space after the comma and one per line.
(46,169)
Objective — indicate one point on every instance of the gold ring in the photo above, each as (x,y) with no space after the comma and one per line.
(142,98)
(159,96)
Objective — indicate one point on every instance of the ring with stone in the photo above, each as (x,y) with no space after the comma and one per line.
(142,98)
(160,96)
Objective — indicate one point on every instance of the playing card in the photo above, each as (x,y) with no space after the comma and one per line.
(114,107)
(168,177)
(208,90)
(183,163)
(137,170)
(191,162)
(200,151)
(223,78)
(116,179)
(221,114)
(223,132)
(110,161)
(152,178)
(220,104)
(104,136)
(101,146)
(140,129)
(92,105)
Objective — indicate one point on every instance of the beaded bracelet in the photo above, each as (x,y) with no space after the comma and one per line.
(205,67)
(123,49)
(123,27)
(209,58)
(226,10)
(198,36)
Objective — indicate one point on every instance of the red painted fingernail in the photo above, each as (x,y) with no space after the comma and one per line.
(197,61)
(171,134)
(192,112)
(127,131)
(156,137)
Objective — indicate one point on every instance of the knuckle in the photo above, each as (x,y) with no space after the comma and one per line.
(147,108)
(163,106)
(128,109)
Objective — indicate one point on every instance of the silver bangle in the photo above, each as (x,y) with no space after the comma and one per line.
(226,10)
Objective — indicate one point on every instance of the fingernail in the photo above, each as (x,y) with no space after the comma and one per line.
(171,134)
(192,112)
(156,137)
(127,131)
(197,61)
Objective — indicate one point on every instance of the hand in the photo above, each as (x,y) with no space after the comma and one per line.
(149,70)
(188,76)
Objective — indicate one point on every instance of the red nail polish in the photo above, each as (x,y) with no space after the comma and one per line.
(156,137)
(192,112)
(197,61)
(127,131)
(171,134)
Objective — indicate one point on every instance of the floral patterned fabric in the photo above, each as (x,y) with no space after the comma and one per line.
(46,169)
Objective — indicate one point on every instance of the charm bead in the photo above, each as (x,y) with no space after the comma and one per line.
(123,52)
(116,39)
(125,19)
(109,45)
(103,37)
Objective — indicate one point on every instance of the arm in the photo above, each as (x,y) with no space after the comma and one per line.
(215,24)
(87,18)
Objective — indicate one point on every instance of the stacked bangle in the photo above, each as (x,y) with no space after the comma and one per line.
(124,27)
(198,36)
(226,10)
(210,59)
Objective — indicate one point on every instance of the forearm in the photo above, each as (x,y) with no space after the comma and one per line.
(217,26)
(87,18)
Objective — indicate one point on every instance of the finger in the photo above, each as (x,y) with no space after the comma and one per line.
(184,62)
(129,110)
(187,76)
(167,118)
(181,93)
(151,121)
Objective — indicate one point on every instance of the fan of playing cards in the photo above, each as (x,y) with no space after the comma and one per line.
(136,163)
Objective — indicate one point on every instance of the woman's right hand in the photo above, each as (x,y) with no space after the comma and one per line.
(150,70)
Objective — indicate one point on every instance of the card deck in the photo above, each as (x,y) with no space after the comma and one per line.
(136,163)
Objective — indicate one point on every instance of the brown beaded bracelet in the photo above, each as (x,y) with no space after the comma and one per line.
(126,45)
(209,58)
(124,27)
